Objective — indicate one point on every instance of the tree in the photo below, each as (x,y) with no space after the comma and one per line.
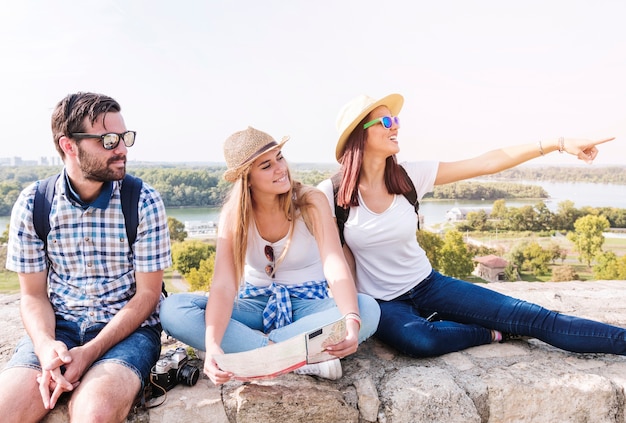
(609,266)
(455,261)
(557,252)
(200,279)
(4,238)
(177,229)
(566,215)
(587,237)
(187,255)
(564,274)
(536,259)
(477,220)
(510,273)
(544,220)
(431,243)
(531,257)
(499,210)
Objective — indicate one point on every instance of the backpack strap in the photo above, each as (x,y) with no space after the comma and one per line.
(129,193)
(42,204)
(129,196)
(411,196)
(341,214)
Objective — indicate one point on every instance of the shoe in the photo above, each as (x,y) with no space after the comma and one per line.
(506,337)
(330,369)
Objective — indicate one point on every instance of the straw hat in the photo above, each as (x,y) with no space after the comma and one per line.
(241,148)
(355,111)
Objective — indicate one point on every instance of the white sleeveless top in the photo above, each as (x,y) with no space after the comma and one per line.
(389,260)
(301,264)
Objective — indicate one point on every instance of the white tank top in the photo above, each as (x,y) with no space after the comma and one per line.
(389,260)
(301,263)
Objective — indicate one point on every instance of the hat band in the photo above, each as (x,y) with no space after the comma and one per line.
(259,152)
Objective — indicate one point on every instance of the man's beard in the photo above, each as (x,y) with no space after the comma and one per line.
(94,170)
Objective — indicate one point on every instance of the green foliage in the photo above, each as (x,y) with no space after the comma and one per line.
(564,274)
(4,238)
(486,191)
(187,255)
(510,273)
(431,243)
(587,237)
(557,252)
(177,229)
(455,260)
(591,174)
(610,267)
(200,279)
(530,256)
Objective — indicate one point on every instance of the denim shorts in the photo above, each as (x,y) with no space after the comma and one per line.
(138,352)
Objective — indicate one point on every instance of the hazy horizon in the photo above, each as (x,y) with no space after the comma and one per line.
(475,75)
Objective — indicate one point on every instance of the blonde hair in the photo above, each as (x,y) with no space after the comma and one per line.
(239,209)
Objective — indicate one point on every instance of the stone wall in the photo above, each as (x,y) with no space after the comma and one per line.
(518,381)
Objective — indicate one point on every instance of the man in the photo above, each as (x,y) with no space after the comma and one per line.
(89,300)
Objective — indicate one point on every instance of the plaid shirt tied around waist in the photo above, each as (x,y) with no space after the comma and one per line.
(278,310)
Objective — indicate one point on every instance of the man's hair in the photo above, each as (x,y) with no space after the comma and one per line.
(70,113)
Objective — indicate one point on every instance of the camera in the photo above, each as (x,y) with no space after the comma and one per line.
(171,370)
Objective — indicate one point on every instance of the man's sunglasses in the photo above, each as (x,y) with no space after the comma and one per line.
(386,121)
(110,140)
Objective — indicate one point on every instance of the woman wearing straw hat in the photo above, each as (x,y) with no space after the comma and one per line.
(390,265)
(280,238)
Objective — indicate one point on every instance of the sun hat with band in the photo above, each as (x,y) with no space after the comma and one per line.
(355,111)
(243,147)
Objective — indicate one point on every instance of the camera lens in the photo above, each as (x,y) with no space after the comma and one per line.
(188,375)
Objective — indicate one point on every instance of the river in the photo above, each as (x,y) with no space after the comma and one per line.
(434,211)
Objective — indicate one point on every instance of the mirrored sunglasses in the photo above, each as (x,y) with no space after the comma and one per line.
(386,121)
(111,139)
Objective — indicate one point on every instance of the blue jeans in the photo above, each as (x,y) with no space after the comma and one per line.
(466,313)
(182,317)
(138,352)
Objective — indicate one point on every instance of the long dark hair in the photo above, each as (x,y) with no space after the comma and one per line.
(351,163)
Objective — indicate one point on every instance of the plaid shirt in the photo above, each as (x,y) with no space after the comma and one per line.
(91,269)
(278,310)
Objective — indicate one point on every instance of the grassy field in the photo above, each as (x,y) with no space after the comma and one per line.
(10,285)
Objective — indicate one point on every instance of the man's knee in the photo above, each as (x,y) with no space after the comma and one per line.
(107,391)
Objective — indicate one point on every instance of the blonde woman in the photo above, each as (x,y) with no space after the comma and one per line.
(277,254)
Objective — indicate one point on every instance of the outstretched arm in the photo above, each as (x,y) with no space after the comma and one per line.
(505,158)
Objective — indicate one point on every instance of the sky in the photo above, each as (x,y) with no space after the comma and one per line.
(475,75)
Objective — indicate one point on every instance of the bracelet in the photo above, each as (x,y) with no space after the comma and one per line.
(561,144)
(355,317)
(540,147)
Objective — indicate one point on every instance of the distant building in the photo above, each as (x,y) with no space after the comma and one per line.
(50,161)
(490,268)
(457,214)
(200,229)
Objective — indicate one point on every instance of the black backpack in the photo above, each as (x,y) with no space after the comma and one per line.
(341,213)
(129,196)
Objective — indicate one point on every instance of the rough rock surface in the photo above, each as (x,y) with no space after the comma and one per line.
(517,381)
